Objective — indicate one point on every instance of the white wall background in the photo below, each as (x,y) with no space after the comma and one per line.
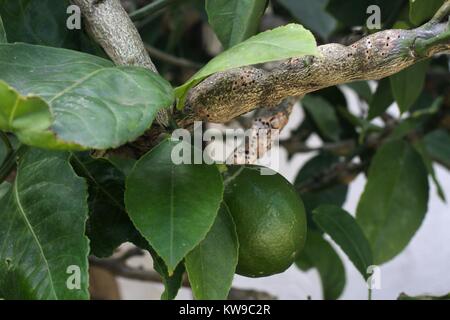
(422,268)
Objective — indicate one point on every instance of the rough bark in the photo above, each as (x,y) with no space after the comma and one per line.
(109,24)
(229,94)
(264,132)
(111,27)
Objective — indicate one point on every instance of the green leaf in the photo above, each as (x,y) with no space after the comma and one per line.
(42,22)
(3,38)
(345,231)
(125,165)
(362,89)
(173,206)
(234,21)
(312,14)
(280,43)
(408,126)
(422,10)
(312,169)
(90,103)
(408,84)
(108,225)
(42,230)
(28,117)
(318,253)
(438,146)
(381,100)
(404,296)
(212,264)
(394,202)
(172,282)
(422,150)
(324,116)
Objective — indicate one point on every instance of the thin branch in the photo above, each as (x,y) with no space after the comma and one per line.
(119,267)
(168,58)
(422,46)
(131,253)
(339,148)
(340,173)
(442,13)
(150,9)
(265,130)
(109,24)
(348,170)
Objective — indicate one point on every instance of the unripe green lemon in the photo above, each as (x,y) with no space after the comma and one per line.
(270,221)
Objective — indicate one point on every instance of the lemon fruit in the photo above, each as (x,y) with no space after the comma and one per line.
(270,221)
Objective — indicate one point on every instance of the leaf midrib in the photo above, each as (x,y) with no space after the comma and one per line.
(29,226)
(76,84)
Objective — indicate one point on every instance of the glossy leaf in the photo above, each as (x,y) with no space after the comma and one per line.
(318,253)
(408,84)
(280,43)
(408,126)
(172,282)
(40,22)
(362,89)
(124,164)
(234,21)
(311,170)
(92,104)
(42,230)
(345,231)
(173,206)
(28,117)
(394,202)
(212,264)
(422,150)
(422,10)
(108,225)
(324,116)
(381,100)
(312,14)
(438,146)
